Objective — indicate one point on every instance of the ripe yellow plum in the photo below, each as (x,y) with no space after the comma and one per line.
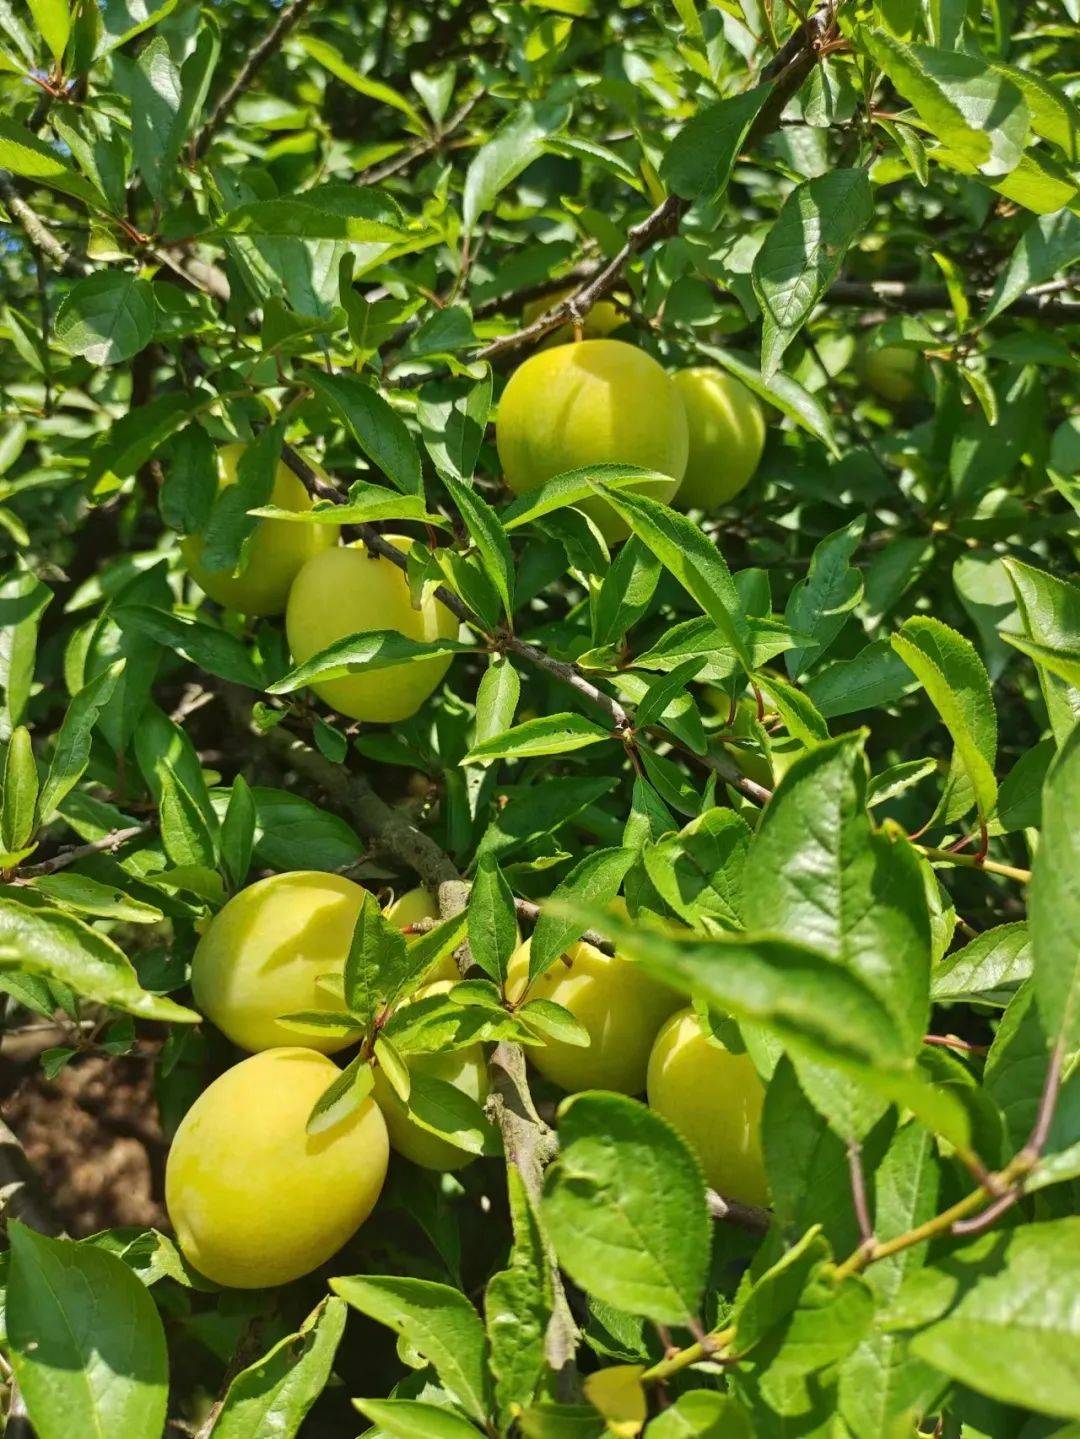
(277,552)
(889,370)
(597,402)
(713,1098)
(261,955)
(257,1201)
(412,907)
(466,1069)
(727,436)
(347,591)
(598,322)
(619,1005)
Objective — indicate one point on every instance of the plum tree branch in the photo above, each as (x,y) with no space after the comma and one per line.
(39,234)
(1043,302)
(288,18)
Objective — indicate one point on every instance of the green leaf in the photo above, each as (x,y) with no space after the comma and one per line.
(624,1206)
(517,142)
(1049,243)
(780,391)
(23,600)
(273,1395)
(571,488)
(550,734)
(363,653)
(205,645)
(820,604)
(376,964)
(191,481)
(32,159)
(489,538)
(18,808)
(875,676)
(803,252)
(377,429)
(702,1414)
(237,836)
(1065,664)
(413,1419)
(1050,610)
(331,211)
(330,59)
(699,161)
(699,871)
(85,1340)
(366,504)
(292,832)
(453,415)
(595,881)
(444,1110)
(53,20)
(1014,1334)
(107,318)
(517,1305)
(89,896)
(154,90)
(988,969)
(950,670)
(493,931)
(684,550)
(71,753)
(496,699)
(136,436)
(818,871)
(46,942)
(438,1322)
(1054,899)
(342,1096)
(972,108)
(625,592)
(231,522)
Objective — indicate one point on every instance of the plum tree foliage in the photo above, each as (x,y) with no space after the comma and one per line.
(540,677)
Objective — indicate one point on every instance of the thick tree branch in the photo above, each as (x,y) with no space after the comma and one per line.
(288,18)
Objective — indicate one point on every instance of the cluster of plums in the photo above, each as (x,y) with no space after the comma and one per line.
(567,407)
(256,1200)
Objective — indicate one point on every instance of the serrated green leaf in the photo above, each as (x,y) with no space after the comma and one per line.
(950,670)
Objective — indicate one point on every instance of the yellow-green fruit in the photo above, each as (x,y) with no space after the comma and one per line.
(277,552)
(890,371)
(727,436)
(619,1005)
(598,402)
(465,1069)
(346,591)
(598,322)
(714,1099)
(257,1201)
(260,956)
(412,907)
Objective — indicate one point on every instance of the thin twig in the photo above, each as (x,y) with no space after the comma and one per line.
(732,1211)
(105,845)
(858,1193)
